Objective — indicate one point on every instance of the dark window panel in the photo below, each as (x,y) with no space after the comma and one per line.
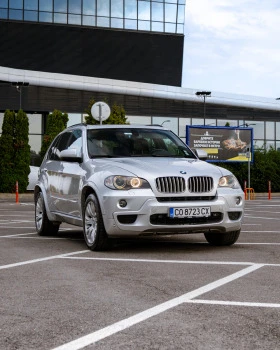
(16,4)
(60,6)
(103,8)
(117,23)
(75,6)
(157,12)
(60,18)
(3,13)
(117,8)
(74,19)
(46,17)
(89,7)
(16,14)
(46,5)
(144,10)
(89,20)
(31,5)
(130,10)
(31,16)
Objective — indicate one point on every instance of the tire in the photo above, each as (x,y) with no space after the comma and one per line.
(94,231)
(222,239)
(44,226)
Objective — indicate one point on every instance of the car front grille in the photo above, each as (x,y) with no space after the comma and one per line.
(171,184)
(200,184)
(177,184)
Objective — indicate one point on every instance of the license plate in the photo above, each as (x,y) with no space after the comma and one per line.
(189,212)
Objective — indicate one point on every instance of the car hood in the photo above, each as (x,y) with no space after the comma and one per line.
(159,167)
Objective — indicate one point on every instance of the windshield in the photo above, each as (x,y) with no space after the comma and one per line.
(135,143)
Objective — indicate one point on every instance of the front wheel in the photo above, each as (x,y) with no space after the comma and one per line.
(94,231)
(43,225)
(222,239)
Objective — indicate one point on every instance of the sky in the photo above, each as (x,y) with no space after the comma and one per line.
(233,46)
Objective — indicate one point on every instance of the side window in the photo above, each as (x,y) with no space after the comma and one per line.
(52,155)
(69,139)
(75,141)
(62,144)
(59,145)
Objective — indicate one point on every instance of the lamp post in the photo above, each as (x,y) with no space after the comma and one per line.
(204,94)
(19,85)
(166,121)
(248,156)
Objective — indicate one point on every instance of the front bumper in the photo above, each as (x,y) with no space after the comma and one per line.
(145,215)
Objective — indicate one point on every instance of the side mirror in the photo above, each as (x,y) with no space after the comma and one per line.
(202,155)
(70,155)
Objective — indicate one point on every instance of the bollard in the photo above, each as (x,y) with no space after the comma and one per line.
(245,189)
(269,189)
(17,199)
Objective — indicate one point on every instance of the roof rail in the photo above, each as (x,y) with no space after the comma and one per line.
(79,124)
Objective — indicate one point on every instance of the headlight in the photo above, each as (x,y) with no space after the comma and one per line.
(229,181)
(119,182)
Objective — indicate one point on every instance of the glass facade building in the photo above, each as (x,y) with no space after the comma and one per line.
(166,16)
(124,40)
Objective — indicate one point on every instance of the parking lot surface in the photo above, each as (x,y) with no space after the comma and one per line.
(165,292)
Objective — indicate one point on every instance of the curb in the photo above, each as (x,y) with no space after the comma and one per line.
(11,197)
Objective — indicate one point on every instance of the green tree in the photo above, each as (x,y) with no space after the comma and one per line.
(15,151)
(56,122)
(117,115)
(264,168)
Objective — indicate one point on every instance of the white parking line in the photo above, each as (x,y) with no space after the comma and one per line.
(29,227)
(13,215)
(19,234)
(232,303)
(270,231)
(251,224)
(15,221)
(203,262)
(258,217)
(41,259)
(143,316)
(257,243)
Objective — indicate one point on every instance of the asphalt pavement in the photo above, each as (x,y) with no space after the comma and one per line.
(170,292)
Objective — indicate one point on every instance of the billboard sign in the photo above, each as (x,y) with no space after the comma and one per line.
(222,144)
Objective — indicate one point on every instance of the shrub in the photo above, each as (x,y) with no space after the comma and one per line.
(15,152)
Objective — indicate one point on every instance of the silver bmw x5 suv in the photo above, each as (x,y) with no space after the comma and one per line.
(126,180)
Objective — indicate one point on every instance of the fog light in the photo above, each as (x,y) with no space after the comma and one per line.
(122,203)
(234,215)
(238,200)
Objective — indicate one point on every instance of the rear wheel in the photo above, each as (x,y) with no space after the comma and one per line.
(43,225)
(222,239)
(94,231)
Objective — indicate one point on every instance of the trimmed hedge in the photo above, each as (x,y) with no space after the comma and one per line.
(15,152)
